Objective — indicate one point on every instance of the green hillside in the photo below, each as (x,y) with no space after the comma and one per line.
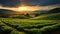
(28,26)
(42,24)
(53,16)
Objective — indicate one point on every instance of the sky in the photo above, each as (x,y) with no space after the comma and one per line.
(30,2)
(44,2)
(9,2)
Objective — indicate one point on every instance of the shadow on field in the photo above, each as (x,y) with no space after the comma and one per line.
(46,31)
(4,31)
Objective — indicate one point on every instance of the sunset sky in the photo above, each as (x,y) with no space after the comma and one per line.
(29,5)
(30,2)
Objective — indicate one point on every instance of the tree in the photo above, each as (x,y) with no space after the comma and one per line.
(27,15)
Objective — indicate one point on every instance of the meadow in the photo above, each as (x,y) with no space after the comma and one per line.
(42,24)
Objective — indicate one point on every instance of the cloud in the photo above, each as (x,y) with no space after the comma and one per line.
(9,2)
(30,2)
(43,2)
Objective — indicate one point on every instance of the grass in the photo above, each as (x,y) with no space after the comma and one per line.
(54,16)
(43,24)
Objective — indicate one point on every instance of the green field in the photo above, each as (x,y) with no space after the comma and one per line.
(43,24)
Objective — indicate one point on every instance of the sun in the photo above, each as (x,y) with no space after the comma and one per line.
(22,8)
(26,8)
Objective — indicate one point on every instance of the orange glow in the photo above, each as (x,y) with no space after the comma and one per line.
(21,8)
(26,8)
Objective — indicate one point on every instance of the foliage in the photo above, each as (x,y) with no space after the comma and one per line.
(43,24)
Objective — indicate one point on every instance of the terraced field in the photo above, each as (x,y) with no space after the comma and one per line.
(43,24)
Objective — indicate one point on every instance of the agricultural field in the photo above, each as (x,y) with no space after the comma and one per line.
(29,16)
(43,24)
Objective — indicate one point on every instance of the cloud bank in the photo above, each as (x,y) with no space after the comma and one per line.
(30,2)
(9,2)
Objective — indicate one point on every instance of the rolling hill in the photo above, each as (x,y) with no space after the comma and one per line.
(53,14)
(48,23)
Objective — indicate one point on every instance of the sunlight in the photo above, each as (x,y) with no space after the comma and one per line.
(22,8)
(26,8)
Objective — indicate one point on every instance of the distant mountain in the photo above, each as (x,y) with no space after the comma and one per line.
(55,10)
(8,12)
(42,11)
